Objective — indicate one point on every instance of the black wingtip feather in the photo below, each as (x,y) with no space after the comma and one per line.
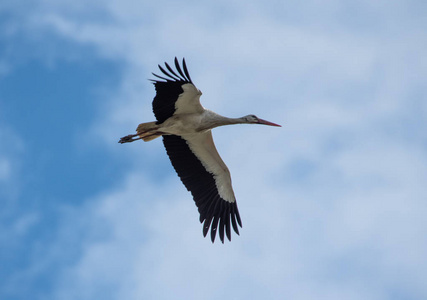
(172,71)
(172,76)
(214,227)
(216,213)
(204,205)
(186,70)
(159,77)
(227,225)
(221,225)
(206,225)
(238,215)
(178,68)
(168,74)
(233,220)
(210,208)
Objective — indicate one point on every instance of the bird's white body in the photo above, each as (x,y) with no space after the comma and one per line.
(190,116)
(186,129)
(193,123)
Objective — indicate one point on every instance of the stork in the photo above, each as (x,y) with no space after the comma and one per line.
(186,129)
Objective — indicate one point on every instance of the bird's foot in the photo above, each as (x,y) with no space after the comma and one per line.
(129,138)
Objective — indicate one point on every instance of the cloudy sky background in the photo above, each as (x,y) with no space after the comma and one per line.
(333,204)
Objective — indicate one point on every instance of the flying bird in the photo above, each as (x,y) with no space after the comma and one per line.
(185,126)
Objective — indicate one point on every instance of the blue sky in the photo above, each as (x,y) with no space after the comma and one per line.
(333,203)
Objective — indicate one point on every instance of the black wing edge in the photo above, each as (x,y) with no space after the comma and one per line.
(215,213)
(174,76)
(168,88)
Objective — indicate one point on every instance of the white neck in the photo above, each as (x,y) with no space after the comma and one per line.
(212,120)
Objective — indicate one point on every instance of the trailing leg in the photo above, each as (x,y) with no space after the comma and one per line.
(145,131)
(129,138)
(148,131)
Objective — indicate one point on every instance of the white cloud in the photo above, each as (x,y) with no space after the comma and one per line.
(294,241)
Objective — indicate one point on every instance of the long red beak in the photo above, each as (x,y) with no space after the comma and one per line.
(264,122)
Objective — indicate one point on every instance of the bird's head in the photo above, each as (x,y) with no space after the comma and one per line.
(252,119)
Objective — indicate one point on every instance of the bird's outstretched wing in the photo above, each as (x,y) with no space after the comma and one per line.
(205,175)
(175,93)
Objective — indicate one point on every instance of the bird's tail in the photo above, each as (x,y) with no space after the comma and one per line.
(148,131)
